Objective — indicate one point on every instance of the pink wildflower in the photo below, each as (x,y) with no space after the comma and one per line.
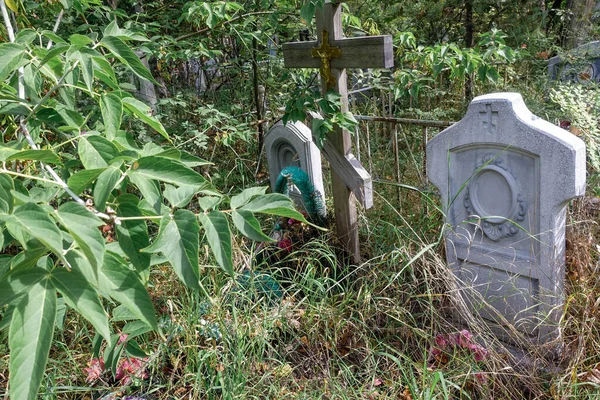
(131,367)
(464,338)
(123,338)
(95,369)
(441,340)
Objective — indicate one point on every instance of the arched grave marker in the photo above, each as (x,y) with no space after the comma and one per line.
(292,145)
(506,177)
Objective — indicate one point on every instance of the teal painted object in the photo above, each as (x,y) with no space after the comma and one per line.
(311,198)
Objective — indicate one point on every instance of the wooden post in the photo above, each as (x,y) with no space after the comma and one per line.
(332,54)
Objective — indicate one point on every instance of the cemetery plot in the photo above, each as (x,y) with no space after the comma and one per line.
(506,177)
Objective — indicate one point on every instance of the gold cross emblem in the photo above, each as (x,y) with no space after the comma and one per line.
(326,53)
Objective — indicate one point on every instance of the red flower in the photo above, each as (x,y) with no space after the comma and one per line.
(285,244)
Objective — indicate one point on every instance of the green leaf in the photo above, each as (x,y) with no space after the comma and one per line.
(113,30)
(144,112)
(87,68)
(46,156)
(239,200)
(307,12)
(11,55)
(83,225)
(166,170)
(34,220)
(133,349)
(180,197)
(150,189)
(6,198)
(219,238)
(124,286)
(207,203)
(178,241)
(78,40)
(135,328)
(249,226)
(12,5)
(127,57)
(95,151)
(112,112)
(274,204)
(18,282)
(132,236)
(54,51)
(105,184)
(82,179)
(29,340)
(82,297)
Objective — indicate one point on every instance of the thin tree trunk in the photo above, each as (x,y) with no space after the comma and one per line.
(258,103)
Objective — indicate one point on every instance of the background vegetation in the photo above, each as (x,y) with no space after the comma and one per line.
(153,113)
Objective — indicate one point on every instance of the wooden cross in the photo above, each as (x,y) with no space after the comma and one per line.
(332,54)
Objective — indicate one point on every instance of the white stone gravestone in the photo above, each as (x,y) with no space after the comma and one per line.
(506,177)
(292,145)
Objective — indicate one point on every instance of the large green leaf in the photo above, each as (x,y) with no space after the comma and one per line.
(11,55)
(150,189)
(144,112)
(112,112)
(181,196)
(29,340)
(105,184)
(17,283)
(178,241)
(86,65)
(274,204)
(46,156)
(83,227)
(127,57)
(216,226)
(81,296)
(249,226)
(248,194)
(6,198)
(95,151)
(166,170)
(132,236)
(113,29)
(34,220)
(82,179)
(124,285)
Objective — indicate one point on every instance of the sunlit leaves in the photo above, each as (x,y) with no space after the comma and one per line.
(218,235)
(127,57)
(124,285)
(112,112)
(29,340)
(82,224)
(178,241)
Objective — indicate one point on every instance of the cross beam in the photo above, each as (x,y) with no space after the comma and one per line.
(332,54)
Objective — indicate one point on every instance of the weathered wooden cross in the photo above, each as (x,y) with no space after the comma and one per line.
(332,54)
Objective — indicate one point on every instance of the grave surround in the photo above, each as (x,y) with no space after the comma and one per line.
(292,145)
(506,177)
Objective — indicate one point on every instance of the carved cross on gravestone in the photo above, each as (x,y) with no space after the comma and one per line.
(332,54)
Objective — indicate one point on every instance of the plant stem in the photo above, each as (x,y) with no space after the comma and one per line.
(56,24)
